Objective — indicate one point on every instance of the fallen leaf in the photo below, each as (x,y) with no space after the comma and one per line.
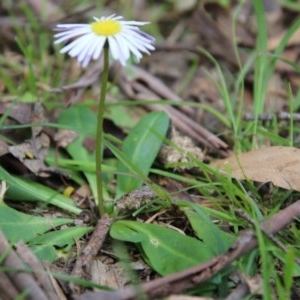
(135,199)
(3,147)
(64,137)
(32,154)
(19,112)
(275,41)
(279,165)
(111,275)
(179,153)
(255,284)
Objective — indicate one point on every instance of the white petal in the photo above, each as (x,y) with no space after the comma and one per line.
(87,46)
(132,49)
(94,51)
(66,48)
(137,44)
(149,38)
(69,36)
(78,43)
(114,17)
(86,61)
(68,26)
(76,48)
(139,40)
(134,23)
(113,47)
(100,44)
(138,55)
(138,34)
(123,46)
(74,32)
(82,45)
(124,53)
(93,45)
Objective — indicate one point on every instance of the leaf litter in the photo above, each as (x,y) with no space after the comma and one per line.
(165,78)
(278,165)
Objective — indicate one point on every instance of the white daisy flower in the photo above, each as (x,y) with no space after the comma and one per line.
(123,38)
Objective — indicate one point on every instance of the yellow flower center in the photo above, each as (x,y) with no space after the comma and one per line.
(106,27)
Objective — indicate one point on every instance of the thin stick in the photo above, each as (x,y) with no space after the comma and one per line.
(99,136)
(84,261)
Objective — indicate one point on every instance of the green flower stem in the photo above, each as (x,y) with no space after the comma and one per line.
(99,136)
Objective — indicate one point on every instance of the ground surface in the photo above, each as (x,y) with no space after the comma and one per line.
(201,159)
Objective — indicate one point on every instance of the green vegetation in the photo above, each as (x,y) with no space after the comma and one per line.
(194,197)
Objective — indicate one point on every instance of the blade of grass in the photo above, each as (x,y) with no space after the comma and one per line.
(23,190)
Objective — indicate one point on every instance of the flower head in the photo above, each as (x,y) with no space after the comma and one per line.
(88,40)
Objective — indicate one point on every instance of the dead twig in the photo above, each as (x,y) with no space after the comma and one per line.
(40,274)
(272,238)
(159,88)
(17,273)
(281,116)
(142,90)
(86,257)
(179,282)
(7,289)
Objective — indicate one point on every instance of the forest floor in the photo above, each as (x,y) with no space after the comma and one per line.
(200,161)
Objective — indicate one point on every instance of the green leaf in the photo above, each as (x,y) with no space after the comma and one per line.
(23,190)
(84,122)
(212,236)
(291,267)
(140,148)
(44,245)
(19,226)
(166,250)
(121,115)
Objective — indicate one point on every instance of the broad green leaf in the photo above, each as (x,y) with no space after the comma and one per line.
(216,239)
(120,115)
(24,190)
(19,226)
(140,149)
(166,250)
(84,122)
(44,246)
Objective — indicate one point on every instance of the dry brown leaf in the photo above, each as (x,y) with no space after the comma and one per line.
(274,41)
(64,137)
(19,112)
(279,165)
(135,199)
(32,154)
(254,283)
(180,151)
(3,147)
(111,275)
